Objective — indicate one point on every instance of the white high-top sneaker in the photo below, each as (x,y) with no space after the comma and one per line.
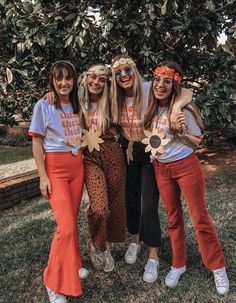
(221,280)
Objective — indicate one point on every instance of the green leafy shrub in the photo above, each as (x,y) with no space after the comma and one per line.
(34,35)
(16,136)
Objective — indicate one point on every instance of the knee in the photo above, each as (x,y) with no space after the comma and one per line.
(150,204)
(176,221)
(98,213)
(67,230)
(203,224)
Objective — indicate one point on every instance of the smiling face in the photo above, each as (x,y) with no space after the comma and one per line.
(63,83)
(163,88)
(95,84)
(125,76)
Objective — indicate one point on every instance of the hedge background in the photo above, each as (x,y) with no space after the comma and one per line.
(34,34)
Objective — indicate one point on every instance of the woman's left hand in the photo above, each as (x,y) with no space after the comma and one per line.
(173,118)
(181,122)
(45,186)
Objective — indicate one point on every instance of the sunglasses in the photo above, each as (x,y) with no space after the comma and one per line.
(166,82)
(127,70)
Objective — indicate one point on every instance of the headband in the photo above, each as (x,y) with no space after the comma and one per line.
(170,72)
(123,61)
(63,62)
(98,70)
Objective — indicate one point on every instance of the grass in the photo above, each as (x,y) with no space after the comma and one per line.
(27,229)
(11,154)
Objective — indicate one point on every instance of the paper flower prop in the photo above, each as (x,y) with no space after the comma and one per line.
(155,141)
(91,139)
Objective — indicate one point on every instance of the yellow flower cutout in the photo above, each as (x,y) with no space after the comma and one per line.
(91,139)
(155,141)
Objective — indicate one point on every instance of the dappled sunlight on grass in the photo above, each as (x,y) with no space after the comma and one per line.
(28,228)
(208,167)
(27,220)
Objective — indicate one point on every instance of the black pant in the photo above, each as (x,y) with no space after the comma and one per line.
(142,197)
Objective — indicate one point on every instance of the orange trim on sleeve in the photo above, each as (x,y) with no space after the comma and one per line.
(36,135)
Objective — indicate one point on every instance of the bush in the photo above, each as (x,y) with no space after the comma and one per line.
(36,34)
(16,136)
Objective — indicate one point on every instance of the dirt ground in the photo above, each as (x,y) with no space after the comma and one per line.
(217,157)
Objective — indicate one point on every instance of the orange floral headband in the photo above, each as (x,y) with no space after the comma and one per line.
(170,72)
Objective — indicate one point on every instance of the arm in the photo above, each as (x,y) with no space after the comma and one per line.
(185,136)
(184,99)
(38,152)
(189,140)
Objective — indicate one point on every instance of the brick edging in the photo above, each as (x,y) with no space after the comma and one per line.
(17,188)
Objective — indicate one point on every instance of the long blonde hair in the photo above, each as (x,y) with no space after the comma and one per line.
(118,93)
(103,110)
(153,103)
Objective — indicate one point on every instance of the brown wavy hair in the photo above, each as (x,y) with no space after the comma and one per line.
(57,69)
(153,103)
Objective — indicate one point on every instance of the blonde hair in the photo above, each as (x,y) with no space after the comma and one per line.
(103,109)
(153,103)
(118,93)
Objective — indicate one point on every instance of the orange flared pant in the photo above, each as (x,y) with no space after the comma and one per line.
(186,176)
(66,174)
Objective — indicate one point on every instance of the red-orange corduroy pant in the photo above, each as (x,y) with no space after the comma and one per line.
(66,174)
(186,176)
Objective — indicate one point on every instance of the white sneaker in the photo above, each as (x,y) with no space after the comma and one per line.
(55,297)
(131,253)
(173,276)
(109,261)
(97,257)
(151,273)
(221,280)
(83,273)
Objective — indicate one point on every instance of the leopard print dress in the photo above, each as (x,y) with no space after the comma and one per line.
(105,178)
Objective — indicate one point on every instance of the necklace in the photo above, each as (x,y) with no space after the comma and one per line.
(91,118)
(158,117)
(129,150)
(91,136)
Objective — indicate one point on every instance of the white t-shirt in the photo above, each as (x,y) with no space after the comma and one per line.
(175,149)
(60,129)
(133,123)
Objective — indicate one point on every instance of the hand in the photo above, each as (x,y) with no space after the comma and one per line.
(181,122)
(45,186)
(176,117)
(50,97)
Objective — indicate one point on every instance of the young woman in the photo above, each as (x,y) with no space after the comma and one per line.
(179,171)
(105,170)
(56,135)
(129,95)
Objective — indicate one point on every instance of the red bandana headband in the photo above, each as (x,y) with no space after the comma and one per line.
(170,72)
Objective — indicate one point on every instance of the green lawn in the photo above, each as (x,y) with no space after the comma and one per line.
(27,229)
(10,154)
